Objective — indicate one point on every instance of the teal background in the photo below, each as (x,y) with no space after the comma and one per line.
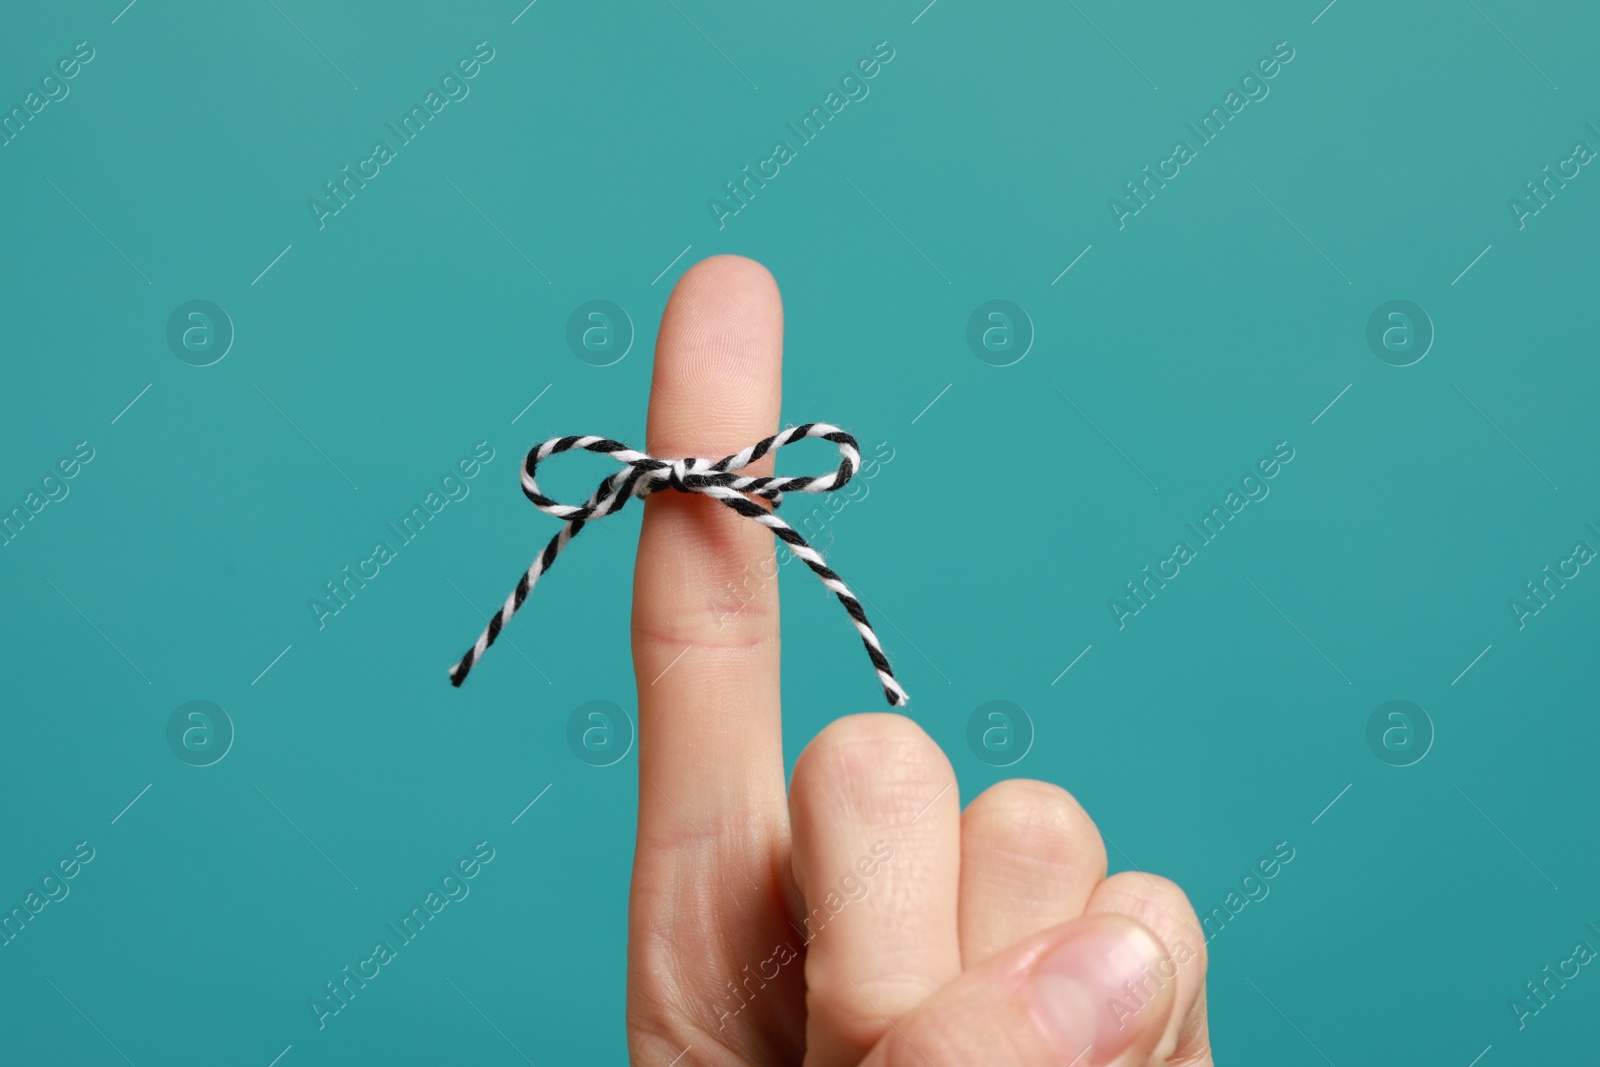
(1221,320)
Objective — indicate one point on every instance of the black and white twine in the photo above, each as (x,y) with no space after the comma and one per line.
(645,474)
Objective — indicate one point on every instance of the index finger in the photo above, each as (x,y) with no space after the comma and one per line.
(705,609)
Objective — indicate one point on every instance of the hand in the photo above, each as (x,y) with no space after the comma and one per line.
(865,919)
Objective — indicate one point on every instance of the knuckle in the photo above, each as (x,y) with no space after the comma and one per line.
(878,748)
(1162,906)
(736,614)
(729,636)
(663,1018)
(1039,821)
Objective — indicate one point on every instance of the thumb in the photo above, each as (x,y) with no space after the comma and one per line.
(1095,992)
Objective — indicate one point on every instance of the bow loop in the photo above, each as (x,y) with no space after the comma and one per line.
(643,474)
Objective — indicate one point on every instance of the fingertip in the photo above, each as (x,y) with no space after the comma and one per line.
(864,749)
(727,271)
(718,376)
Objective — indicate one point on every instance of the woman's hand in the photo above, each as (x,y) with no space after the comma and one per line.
(860,917)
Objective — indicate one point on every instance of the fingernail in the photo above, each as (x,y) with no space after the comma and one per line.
(1098,992)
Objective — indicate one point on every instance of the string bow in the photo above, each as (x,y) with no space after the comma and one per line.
(644,474)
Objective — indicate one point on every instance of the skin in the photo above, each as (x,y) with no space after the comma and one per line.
(949,952)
